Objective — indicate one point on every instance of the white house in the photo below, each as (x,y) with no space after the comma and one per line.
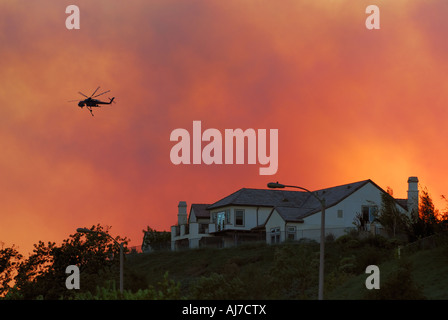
(274,215)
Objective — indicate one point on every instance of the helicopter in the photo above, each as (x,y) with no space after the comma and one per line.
(90,102)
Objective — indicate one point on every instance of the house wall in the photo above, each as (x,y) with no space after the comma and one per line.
(192,218)
(337,219)
(253,217)
(191,233)
(368,195)
(275,221)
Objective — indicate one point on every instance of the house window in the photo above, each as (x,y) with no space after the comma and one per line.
(239,218)
(369,213)
(275,235)
(340,214)
(222,218)
(291,233)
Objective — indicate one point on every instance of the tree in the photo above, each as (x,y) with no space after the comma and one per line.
(390,216)
(360,221)
(426,222)
(9,258)
(443,216)
(155,240)
(43,273)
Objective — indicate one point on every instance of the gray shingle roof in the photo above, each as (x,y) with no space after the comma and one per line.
(261,197)
(200,210)
(291,205)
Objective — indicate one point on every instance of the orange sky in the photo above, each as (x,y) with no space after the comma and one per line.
(350,104)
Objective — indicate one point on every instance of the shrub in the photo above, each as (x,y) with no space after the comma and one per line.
(294,273)
(398,286)
(377,241)
(347,264)
(167,289)
(217,287)
(370,255)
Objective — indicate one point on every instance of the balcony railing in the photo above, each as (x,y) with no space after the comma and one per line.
(203,228)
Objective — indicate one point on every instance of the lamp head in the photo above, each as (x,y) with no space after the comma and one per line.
(274,185)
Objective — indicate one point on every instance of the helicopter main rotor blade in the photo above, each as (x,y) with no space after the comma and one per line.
(73,100)
(95,91)
(82,94)
(101,94)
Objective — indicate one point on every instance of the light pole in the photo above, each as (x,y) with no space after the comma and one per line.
(274,185)
(85,230)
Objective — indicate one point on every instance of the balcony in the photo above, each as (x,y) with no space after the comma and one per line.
(203,228)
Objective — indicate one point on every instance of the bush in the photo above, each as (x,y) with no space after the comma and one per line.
(348,240)
(165,290)
(347,264)
(370,255)
(217,287)
(294,273)
(377,241)
(398,286)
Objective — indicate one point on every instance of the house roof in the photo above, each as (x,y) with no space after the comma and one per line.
(312,205)
(200,210)
(258,197)
(403,203)
(293,206)
(287,198)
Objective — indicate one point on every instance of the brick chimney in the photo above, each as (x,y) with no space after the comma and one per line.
(413,195)
(182,213)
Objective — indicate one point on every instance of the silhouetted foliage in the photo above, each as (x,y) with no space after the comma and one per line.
(398,286)
(390,216)
(9,258)
(42,274)
(427,222)
(360,221)
(218,287)
(155,240)
(294,272)
(167,289)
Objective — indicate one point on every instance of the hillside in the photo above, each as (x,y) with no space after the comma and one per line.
(288,271)
(428,271)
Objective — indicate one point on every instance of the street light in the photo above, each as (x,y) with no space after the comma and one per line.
(274,185)
(85,230)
